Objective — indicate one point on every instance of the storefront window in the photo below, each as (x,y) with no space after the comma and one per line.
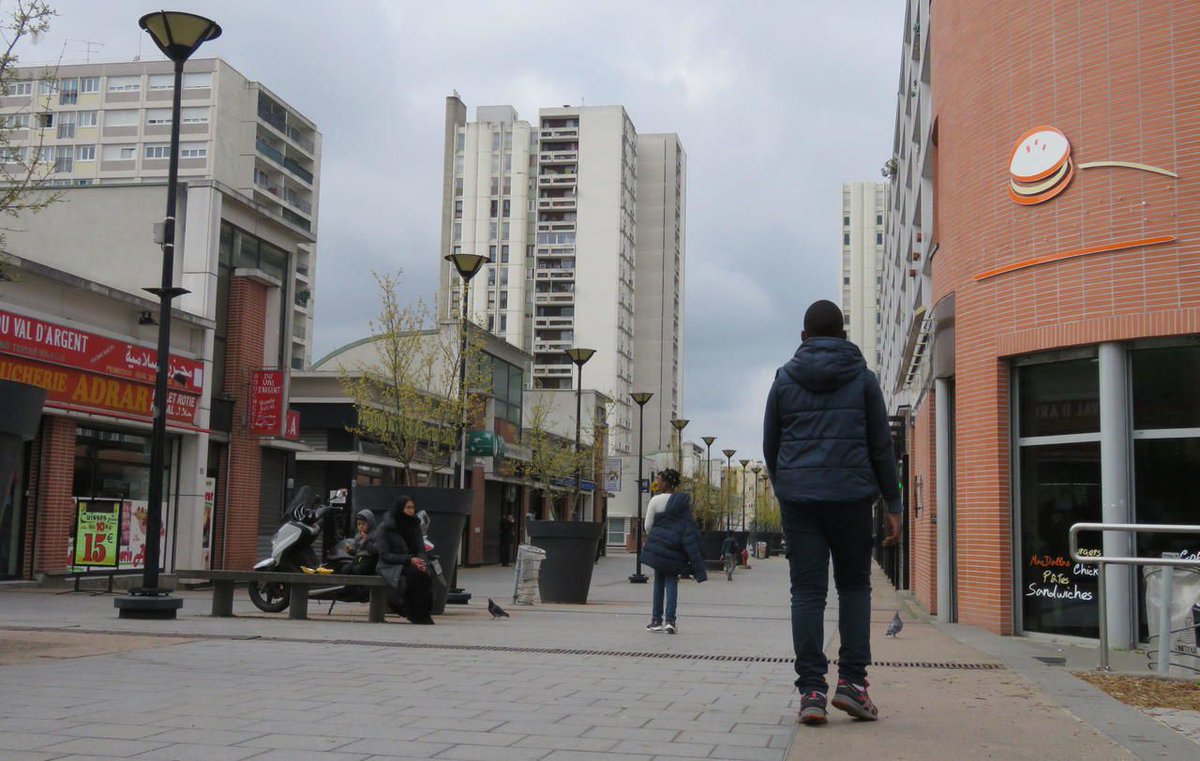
(111,464)
(1059,398)
(1166,388)
(1060,486)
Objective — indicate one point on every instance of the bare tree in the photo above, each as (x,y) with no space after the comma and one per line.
(24,170)
(407,395)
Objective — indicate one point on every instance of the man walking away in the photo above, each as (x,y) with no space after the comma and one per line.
(829,455)
(729,553)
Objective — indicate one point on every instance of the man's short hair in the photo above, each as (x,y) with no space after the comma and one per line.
(824,320)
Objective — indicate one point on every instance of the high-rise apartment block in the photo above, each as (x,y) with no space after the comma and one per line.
(558,208)
(864,224)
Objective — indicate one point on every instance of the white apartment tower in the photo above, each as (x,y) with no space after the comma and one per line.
(556,208)
(864,225)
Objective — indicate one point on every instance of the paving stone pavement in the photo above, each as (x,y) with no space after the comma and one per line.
(553,682)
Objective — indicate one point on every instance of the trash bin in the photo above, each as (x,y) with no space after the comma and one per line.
(525,576)
(761,550)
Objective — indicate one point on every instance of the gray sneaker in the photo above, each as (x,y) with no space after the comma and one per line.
(670,628)
(654,627)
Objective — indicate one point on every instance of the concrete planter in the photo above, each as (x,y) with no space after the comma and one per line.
(566,573)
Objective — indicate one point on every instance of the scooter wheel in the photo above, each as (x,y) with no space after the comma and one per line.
(269,597)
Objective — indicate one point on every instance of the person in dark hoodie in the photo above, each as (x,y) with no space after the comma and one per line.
(362,546)
(672,548)
(828,453)
(403,562)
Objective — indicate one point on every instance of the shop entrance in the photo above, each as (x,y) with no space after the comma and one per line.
(12,521)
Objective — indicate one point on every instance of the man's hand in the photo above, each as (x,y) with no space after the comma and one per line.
(418,563)
(895,523)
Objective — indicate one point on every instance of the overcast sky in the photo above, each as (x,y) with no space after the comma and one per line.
(776,103)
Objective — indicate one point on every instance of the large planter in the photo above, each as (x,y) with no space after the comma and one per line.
(448,510)
(20,412)
(566,573)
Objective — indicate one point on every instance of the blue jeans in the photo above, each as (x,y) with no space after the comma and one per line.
(665,584)
(815,531)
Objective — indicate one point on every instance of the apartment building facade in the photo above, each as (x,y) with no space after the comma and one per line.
(245,252)
(1056,329)
(864,214)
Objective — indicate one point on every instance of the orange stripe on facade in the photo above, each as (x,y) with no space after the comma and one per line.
(1073,254)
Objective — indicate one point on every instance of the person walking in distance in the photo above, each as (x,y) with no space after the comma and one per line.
(828,451)
(672,548)
(729,553)
(508,529)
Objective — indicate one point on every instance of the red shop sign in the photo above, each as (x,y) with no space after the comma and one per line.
(292,431)
(266,403)
(57,345)
(71,388)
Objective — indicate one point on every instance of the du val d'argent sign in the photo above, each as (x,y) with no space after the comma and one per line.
(86,371)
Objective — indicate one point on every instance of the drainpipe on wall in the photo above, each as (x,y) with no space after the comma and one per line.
(1114,490)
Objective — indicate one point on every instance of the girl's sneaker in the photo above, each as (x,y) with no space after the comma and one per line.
(670,628)
(655,626)
(853,699)
(812,708)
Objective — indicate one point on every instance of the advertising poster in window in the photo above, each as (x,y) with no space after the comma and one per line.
(97,526)
(206,534)
(266,403)
(133,534)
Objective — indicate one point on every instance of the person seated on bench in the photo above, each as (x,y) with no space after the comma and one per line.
(404,564)
(362,546)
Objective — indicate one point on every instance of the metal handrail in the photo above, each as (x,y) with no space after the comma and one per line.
(1100,561)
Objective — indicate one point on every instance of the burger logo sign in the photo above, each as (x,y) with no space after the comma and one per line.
(1040,166)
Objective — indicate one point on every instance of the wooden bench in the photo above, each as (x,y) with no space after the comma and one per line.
(298,583)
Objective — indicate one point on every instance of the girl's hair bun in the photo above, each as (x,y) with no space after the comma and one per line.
(670,476)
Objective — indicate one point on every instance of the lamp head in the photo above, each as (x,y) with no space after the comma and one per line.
(728,453)
(178,34)
(467,264)
(580,356)
(680,423)
(744,463)
(641,397)
(756,469)
(708,440)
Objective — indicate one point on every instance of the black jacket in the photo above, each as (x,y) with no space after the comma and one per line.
(673,545)
(825,432)
(729,546)
(399,540)
(364,545)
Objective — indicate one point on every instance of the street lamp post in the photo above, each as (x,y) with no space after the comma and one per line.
(743,463)
(178,35)
(640,397)
(729,453)
(468,265)
(708,442)
(679,424)
(579,357)
(755,470)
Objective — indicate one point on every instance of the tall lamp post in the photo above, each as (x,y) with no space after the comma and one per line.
(580,358)
(640,398)
(755,470)
(729,453)
(468,265)
(744,463)
(708,442)
(679,424)
(178,35)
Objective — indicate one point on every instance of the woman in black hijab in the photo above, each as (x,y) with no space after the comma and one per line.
(403,562)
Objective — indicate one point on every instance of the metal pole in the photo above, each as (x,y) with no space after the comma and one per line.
(462,388)
(1101,590)
(578,415)
(708,478)
(1164,621)
(639,577)
(1114,489)
(166,292)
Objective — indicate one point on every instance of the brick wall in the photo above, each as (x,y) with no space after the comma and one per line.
(54,479)
(247,328)
(1118,78)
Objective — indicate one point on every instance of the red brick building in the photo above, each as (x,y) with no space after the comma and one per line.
(1061,268)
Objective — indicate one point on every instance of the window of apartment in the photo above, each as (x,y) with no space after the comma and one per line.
(504,254)
(504,230)
(495,163)
(125,117)
(879,219)
(507,163)
(495,141)
(68,91)
(46,153)
(15,121)
(456,250)
(845,281)
(458,165)
(506,208)
(66,125)
(63,158)
(495,208)
(492,252)
(158,116)
(197,81)
(458,209)
(162,82)
(495,186)
(86,118)
(878,239)
(89,84)
(504,276)
(845,221)
(46,87)
(158,151)
(194,115)
(491,276)
(508,141)
(45,119)
(117,152)
(20,88)
(124,84)
(503,317)
(845,239)
(458,186)
(85,153)
(457,232)
(459,141)
(193,150)
(13,155)
(507,186)
(492,231)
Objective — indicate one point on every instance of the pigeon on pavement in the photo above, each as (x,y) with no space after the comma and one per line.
(496,610)
(895,626)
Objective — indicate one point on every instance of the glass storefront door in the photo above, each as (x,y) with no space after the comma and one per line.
(12,521)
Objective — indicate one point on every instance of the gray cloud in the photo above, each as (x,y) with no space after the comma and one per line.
(777,104)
